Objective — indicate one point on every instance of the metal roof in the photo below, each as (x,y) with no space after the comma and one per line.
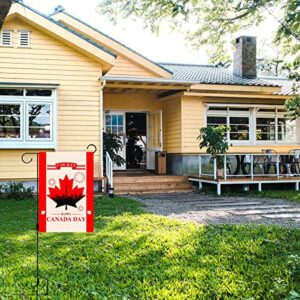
(210,74)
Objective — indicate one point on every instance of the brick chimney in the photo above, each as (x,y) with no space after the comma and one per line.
(244,58)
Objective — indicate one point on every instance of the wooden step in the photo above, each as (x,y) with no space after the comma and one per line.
(139,192)
(151,184)
(144,179)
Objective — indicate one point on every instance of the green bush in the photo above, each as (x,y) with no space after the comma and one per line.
(15,191)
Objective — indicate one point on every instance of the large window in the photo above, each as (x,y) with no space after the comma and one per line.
(27,118)
(273,125)
(236,120)
(253,125)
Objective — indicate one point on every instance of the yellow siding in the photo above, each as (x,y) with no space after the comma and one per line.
(126,67)
(131,102)
(123,66)
(193,119)
(50,61)
(172,126)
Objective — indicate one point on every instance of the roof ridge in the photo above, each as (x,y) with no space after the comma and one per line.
(68,29)
(108,36)
(188,64)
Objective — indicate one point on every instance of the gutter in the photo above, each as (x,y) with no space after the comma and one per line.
(148,80)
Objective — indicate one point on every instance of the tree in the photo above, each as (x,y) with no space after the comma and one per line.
(4,9)
(216,23)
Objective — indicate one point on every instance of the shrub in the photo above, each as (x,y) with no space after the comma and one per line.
(15,191)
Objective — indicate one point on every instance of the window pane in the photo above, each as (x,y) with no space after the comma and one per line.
(120,120)
(216,121)
(286,129)
(218,108)
(114,119)
(39,119)
(39,93)
(11,92)
(239,128)
(238,109)
(265,129)
(10,121)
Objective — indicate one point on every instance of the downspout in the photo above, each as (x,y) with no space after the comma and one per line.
(103,84)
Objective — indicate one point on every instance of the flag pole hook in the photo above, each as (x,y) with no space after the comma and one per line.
(92,146)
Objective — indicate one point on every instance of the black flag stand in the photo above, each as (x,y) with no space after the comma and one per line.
(28,161)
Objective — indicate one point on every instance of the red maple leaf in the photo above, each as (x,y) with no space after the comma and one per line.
(66,194)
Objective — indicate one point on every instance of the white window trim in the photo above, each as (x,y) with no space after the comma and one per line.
(11,38)
(252,122)
(29,38)
(229,114)
(25,142)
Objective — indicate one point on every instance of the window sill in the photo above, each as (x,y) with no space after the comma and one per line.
(27,145)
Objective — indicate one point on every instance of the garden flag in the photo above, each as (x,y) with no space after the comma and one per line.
(66,191)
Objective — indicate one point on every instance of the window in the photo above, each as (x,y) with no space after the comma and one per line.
(39,121)
(237,120)
(24,38)
(10,125)
(253,125)
(239,128)
(272,125)
(6,38)
(27,118)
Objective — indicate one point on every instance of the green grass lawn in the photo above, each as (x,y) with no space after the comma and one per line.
(135,255)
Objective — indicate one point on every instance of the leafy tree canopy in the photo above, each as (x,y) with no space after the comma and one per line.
(4,9)
(214,23)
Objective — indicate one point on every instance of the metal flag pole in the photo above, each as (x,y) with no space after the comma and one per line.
(29,161)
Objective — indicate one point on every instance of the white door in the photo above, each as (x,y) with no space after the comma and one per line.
(154,137)
(115,123)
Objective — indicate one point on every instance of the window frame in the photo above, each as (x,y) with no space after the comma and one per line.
(24,142)
(228,114)
(21,120)
(253,115)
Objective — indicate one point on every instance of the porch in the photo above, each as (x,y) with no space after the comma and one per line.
(267,167)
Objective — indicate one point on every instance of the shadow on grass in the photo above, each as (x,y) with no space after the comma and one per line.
(135,255)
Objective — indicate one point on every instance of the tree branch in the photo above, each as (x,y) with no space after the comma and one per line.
(4,9)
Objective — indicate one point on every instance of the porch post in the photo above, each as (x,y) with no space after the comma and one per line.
(103,83)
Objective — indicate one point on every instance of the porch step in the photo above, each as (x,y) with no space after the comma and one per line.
(151,184)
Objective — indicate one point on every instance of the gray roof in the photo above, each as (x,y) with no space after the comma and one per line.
(212,75)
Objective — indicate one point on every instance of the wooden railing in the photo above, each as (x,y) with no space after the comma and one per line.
(109,173)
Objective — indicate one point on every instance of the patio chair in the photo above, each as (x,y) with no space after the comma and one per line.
(295,161)
(270,160)
(259,162)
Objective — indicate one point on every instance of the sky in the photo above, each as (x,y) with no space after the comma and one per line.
(166,47)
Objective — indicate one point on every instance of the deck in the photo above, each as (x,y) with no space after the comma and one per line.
(259,181)
(249,169)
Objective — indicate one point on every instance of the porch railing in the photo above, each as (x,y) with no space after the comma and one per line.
(235,165)
(109,172)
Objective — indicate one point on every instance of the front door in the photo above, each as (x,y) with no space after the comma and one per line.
(115,123)
(154,137)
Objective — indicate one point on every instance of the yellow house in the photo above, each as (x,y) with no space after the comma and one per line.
(63,82)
